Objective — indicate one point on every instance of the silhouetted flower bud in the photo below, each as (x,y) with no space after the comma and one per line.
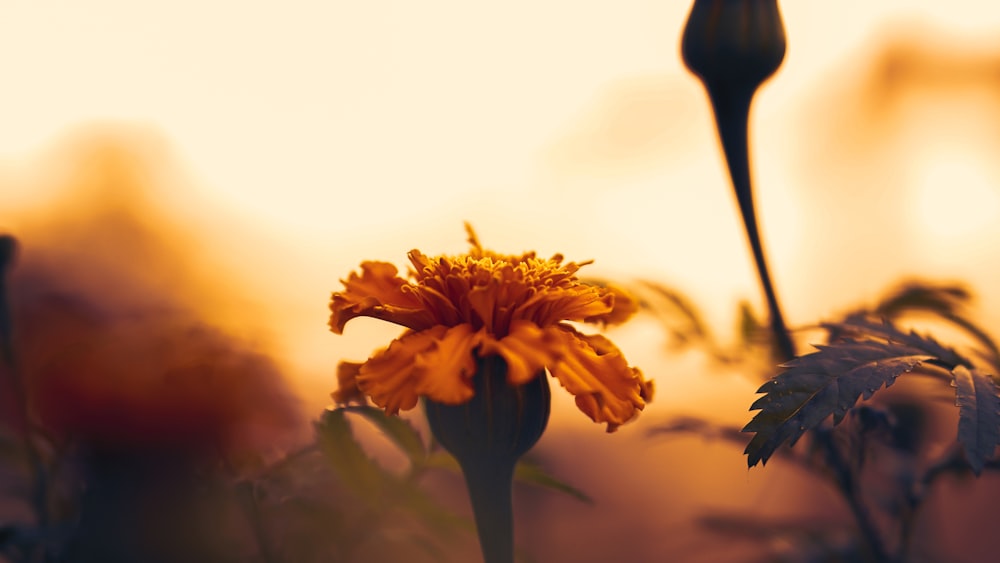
(487,435)
(733,46)
(733,42)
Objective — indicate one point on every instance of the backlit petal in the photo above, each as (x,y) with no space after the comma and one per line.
(623,307)
(527,350)
(388,376)
(550,306)
(445,371)
(347,384)
(592,368)
(379,293)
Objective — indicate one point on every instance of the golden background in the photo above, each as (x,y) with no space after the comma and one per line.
(273,146)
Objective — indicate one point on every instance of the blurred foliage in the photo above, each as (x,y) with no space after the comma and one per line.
(84,500)
(686,328)
(875,450)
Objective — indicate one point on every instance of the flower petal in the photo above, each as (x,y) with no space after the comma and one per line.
(623,306)
(592,368)
(444,373)
(347,384)
(379,293)
(552,305)
(388,377)
(527,349)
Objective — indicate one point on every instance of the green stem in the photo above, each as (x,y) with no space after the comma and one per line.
(731,105)
(491,492)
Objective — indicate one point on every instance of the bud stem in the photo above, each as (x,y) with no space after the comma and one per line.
(731,104)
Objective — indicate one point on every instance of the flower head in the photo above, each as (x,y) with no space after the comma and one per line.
(458,309)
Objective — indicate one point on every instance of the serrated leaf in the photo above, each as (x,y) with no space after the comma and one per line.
(825,383)
(978,415)
(945,301)
(346,456)
(396,429)
(534,474)
(864,327)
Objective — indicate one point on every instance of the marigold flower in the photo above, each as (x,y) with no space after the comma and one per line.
(458,309)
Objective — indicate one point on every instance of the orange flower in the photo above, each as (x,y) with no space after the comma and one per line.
(481,304)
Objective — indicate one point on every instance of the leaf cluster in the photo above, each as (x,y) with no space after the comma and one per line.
(879,461)
(864,356)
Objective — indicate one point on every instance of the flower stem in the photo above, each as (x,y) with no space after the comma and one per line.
(731,104)
(487,435)
(491,492)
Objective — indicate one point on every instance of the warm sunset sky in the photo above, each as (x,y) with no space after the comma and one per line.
(322,133)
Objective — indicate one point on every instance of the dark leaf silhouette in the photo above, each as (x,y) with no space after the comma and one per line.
(824,383)
(979,415)
(396,429)
(863,326)
(865,355)
(531,472)
(945,302)
(346,456)
(941,299)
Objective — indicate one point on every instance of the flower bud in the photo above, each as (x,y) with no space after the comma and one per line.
(733,42)
(487,435)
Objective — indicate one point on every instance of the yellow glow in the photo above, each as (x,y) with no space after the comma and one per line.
(956,195)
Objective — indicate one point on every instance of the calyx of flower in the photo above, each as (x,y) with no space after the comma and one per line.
(488,435)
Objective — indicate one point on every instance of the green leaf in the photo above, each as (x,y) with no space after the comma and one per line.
(440,459)
(674,307)
(534,474)
(749,327)
(396,429)
(348,459)
(441,521)
(823,383)
(979,415)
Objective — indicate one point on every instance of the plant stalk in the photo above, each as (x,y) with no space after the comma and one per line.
(491,492)
(731,105)
(849,487)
